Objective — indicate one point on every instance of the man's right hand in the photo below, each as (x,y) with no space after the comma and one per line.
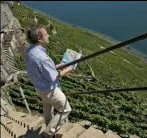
(65,71)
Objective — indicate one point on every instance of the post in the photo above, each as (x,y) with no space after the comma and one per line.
(25,101)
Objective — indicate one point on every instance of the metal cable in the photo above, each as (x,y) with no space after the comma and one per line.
(102,91)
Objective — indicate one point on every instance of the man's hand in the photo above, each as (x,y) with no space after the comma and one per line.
(65,71)
(58,65)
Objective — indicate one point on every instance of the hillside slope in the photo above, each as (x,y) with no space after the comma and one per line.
(121,112)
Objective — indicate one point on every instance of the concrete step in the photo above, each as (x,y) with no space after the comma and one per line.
(4,133)
(15,127)
(26,118)
(92,133)
(74,132)
(86,124)
(16,114)
(36,122)
(65,128)
(38,128)
(110,134)
(12,126)
(29,120)
(41,127)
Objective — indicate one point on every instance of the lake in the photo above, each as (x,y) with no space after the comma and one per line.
(120,20)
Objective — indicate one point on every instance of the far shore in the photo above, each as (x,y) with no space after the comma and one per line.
(144,59)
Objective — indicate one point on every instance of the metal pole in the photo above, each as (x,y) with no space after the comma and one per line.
(111,90)
(104,91)
(119,45)
(25,101)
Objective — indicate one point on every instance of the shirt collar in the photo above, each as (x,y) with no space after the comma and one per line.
(42,48)
(39,46)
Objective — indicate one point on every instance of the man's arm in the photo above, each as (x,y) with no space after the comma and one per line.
(48,70)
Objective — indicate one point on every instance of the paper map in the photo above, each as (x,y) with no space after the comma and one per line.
(69,56)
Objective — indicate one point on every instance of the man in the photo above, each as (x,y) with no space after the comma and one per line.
(44,76)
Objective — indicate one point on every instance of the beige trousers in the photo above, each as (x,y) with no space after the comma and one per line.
(54,99)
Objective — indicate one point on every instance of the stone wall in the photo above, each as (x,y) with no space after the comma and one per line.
(13,41)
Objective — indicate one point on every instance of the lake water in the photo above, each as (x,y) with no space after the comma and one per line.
(120,20)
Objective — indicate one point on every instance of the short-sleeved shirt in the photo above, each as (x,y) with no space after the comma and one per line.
(40,68)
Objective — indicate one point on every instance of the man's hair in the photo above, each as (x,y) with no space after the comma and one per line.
(34,32)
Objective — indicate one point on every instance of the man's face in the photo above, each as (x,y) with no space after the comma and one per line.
(44,40)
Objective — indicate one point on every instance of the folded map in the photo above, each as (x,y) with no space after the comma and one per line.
(69,56)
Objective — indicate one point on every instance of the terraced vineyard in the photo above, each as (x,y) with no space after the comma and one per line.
(122,112)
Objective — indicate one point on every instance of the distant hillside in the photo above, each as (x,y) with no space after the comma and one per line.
(121,112)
